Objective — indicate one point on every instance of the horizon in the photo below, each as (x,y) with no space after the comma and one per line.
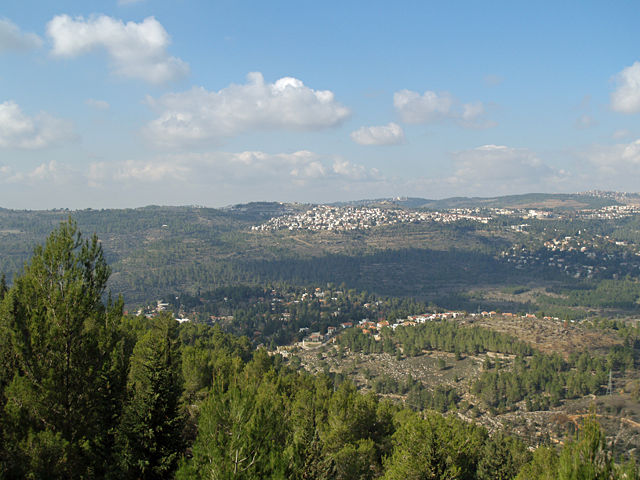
(355,201)
(142,102)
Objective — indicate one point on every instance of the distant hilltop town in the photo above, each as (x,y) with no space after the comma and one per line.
(324,217)
(340,219)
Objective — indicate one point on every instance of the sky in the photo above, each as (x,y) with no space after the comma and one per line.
(126,103)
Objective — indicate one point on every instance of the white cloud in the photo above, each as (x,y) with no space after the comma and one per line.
(471,111)
(51,171)
(626,96)
(497,169)
(151,171)
(148,171)
(198,115)
(47,173)
(279,170)
(355,172)
(222,178)
(416,108)
(391,134)
(9,175)
(621,161)
(433,107)
(18,130)
(301,166)
(97,104)
(473,116)
(12,39)
(609,167)
(136,50)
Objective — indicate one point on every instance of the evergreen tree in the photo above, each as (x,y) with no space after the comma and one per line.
(150,436)
(3,286)
(586,457)
(54,325)
(502,458)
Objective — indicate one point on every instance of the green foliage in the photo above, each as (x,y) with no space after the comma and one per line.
(434,447)
(437,335)
(88,393)
(63,374)
(543,380)
(502,458)
(543,465)
(584,457)
(150,434)
(606,293)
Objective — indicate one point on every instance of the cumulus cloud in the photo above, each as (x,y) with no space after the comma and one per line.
(621,161)
(626,97)
(9,175)
(432,107)
(47,173)
(12,39)
(242,168)
(416,108)
(497,169)
(151,171)
(97,104)
(52,172)
(355,172)
(136,50)
(18,130)
(198,115)
(391,134)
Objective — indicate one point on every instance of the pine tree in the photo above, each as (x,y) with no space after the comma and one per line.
(3,286)
(586,457)
(150,436)
(53,323)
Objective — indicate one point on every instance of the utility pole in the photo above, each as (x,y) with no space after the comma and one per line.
(610,386)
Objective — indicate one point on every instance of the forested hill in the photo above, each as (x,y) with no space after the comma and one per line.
(158,251)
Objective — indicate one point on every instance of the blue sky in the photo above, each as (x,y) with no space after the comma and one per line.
(128,103)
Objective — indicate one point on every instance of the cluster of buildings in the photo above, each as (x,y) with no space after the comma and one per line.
(578,256)
(332,218)
(151,311)
(611,212)
(369,327)
(618,196)
(325,217)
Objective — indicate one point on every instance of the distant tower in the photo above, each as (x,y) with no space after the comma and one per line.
(610,386)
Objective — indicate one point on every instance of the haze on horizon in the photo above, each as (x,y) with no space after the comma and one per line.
(142,102)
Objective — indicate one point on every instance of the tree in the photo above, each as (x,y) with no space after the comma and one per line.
(434,447)
(150,436)
(59,334)
(586,457)
(543,466)
(242,429)
(502,458)
(3,286)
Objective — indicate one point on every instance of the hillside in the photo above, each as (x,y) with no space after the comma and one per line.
(437,255)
